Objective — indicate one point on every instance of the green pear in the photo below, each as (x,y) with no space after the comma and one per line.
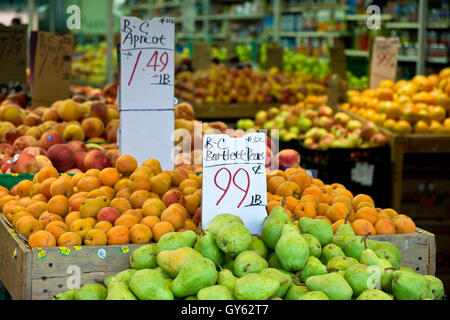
(125,275)
(436,287)
(295,291)
(191,298)
(369,258)
(343,233)
(402,268)
(333,285)
(227,279)
(216,292)
(313,267)
(118,290)
(409,286)
(219,221)
(163,273)
(248,262)
(171,261)
(143,257)
(319,228)
(229,265)
(272,225)
(274,262)
(255,287)
(291,249)
(233,238)
(330,251)
(91,291)
(67,295)
(108,279)
(258,246)
(149,284)
(374,294)
(283,278)
(314,295)
(341,263)
(315,249)
(176,240)
(361,277)
(354,247)
(193,276)
(206,245)
(387,250)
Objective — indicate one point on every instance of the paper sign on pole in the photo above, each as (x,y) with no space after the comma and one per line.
(202,55)
(274,57)
(13,53)
(146,100)
(383,65)
(338,61)
(234,178)
(50,67)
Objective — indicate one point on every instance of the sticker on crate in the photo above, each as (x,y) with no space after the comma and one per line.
(363,173)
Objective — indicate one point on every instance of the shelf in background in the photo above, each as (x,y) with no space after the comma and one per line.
(167,4)
(313,6)
(442,60)
(357,53)
(362,17)
(220,17)
(314,34)
(438,25)
(402,25)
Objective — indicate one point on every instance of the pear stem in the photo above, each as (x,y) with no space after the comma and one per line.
(298,283)
(283,202)
(99,281)
(390,268)
(296,275)
(257,235)
(332,270)
(365,239)
(346,217)
(220,267)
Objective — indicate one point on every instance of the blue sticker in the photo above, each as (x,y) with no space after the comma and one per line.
(49,138)
(101,253)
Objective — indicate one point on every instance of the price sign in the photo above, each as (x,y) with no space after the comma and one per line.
(338,62)
(234,178)
(274,57)
(50,67)
(146,91)
(383,64)
(13,54)
(202,55)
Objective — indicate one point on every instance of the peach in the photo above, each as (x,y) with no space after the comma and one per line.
(95,237)
(103,225)
(71,217)
(59,205)
(153,207)
(25,163)
(73,132)
(140,233)
(118,235)
(93,127)
(69,110)
(77,146)
(61,156)
(173,196)
(108,214)
(41,239)
(288,158)
(57,228)
(79,160)
(96,159)
(81,227)
(159,184)
(50,138)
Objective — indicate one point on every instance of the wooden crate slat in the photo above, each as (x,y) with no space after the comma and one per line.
(229,111)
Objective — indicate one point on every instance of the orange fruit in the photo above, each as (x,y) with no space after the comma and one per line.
(41,239)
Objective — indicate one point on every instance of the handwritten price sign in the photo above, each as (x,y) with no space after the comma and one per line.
(13,54)
(50,65)
(234,178)
(384,60)
(147,63)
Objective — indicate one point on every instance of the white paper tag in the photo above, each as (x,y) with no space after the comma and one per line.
(234,178)
(363,173)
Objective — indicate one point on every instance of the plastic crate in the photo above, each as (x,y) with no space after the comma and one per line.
(9,180)
(365,171)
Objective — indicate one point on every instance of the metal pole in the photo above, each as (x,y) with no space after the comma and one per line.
(205,20)
(31,10)
(109,42)
(421,37)
(53,16)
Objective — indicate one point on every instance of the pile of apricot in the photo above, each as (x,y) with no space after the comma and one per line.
(117,205)
(304,196)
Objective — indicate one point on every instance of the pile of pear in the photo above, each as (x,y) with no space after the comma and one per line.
(227,262)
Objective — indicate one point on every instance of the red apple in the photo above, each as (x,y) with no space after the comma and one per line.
(79,160)
(96,159)
(62,157)
(108,214)
(77,146)
(24,163)
(50,138)
(288,158)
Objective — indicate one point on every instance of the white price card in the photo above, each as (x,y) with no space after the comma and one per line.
(383,65)
(234,178)
(146,99)
(363,173)
(147,63)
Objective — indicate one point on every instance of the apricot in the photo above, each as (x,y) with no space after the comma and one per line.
(159,184)
(153,164)
(46,217)
(120,204)
(322,209)
(71,217)
(68,239)
(37,208)
(39,197)
(124,193)
(153,207)
(161,228)
(173,196)
(140,233)
(370,214)
(88,183)
(77,177)
(103,225)
(326,198)
(362,227)
(35,189)
(21,220)
(192,202)
(139,181)
(305,209)
(361,198)
(193,183)
(18,215)
(302,179)
(109,177)
(95,237)
(385,226)
(23,188)
(61,186)
(108,191)
(126,164)
(337,211)
(391,213)
(81,227)
(317,182)
(150,221)
(190,225)
(325,218)
(174,216)
(78,195)
(135,213)
(337,224)
(289,188)
(344,200)
(75,206)
(127,220)
(273,183)
(91,220)
(45,187)
(97,193)
(94,172)
(364,204)
(145,169)
(138,198)
(179,207)
(59,205)
(57,228)
(177,175)
(121,184)
(118,235)
(404,225)
(41,239)
(47,172)
(4,200)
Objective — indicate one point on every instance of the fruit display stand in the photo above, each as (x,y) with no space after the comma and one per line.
(9,180)
(41,274)
(402,145)
(228,111)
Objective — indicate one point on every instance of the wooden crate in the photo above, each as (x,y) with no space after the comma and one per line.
(41,274)
(407,144)
(229,111)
